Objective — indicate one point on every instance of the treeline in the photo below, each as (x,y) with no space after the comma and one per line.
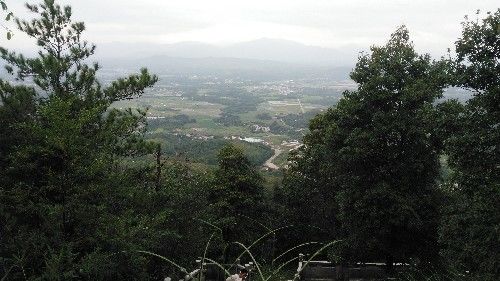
(369,175)
(205,151)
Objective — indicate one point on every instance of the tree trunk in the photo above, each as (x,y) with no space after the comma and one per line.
(158,167)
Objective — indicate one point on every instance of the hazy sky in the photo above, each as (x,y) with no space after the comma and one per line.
(434,24)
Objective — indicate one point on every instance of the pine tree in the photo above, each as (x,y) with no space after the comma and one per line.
(61,149)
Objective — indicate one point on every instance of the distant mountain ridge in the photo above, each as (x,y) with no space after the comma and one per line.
(261,49)
(240,68)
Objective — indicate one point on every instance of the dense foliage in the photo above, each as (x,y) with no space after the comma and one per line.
(205,151)
(373,159)
(470,230)
(60,186)
(238,192)
(390,171)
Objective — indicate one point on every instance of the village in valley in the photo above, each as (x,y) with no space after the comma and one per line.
(270,116)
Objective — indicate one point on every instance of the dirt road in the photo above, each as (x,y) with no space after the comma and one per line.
(269,163)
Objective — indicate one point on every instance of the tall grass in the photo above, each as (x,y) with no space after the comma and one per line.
(272,272)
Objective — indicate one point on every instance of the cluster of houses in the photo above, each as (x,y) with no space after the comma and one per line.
(258,128)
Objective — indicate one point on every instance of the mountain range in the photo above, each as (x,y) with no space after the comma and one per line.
(263,59)
(262,49)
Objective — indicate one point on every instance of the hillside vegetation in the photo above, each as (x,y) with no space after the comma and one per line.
(93,188)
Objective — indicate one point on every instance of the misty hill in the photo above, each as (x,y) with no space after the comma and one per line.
(240,68)
(262,49)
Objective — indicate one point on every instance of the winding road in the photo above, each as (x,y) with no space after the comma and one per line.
(269,163)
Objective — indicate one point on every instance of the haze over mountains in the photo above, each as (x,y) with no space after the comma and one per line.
(261,49)
(254,59)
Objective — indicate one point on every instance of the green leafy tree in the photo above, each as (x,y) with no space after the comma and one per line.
(238,194)
(372,161)
(470,230)
(61,187)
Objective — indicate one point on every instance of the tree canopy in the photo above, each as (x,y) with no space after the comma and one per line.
(60,146)
(373,157)
(470,229)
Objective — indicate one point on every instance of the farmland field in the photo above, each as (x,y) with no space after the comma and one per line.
(207,111)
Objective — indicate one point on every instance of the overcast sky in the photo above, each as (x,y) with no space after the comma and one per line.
(434,24)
